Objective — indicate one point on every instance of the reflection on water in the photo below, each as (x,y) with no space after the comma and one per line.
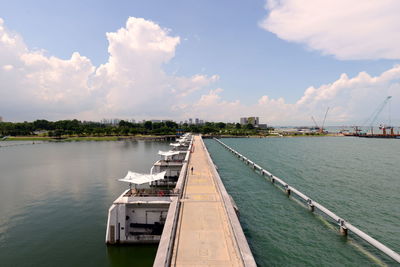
(18,143)
(140,255)
(54,199)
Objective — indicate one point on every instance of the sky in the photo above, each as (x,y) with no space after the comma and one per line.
(281,60)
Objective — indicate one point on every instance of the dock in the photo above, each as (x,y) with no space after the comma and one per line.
(202,227)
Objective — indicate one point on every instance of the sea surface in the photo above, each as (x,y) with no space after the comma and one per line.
(54,200)
(356,178)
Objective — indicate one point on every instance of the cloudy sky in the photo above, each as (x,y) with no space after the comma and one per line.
(281,60)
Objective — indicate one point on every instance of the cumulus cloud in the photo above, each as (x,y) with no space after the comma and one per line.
(351,101)
(345,29)
(32,82)
(131,83)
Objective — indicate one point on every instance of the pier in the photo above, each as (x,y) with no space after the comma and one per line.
(344,226)
(202,228)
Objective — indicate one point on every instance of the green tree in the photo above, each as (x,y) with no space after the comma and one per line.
(148,125)
(42,125)
(221,125)
(171,124)
(249,126)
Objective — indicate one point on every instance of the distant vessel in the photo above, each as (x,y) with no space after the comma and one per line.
(370,121)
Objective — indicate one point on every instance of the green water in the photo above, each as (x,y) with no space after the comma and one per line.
(356,178)
(54,199)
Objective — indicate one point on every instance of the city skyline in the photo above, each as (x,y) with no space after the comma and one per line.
(216,61)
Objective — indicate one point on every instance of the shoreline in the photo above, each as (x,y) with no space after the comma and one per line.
(84,138)
(145,137)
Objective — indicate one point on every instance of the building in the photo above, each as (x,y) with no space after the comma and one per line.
(197,121)
(190,121)
(1,119)
(255,121)
(262,126)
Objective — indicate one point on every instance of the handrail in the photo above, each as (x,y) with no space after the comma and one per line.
(166,245)
(344,225)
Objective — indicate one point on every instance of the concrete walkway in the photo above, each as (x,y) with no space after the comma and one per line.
(204,234)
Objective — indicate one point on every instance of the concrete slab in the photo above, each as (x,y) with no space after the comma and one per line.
(204,235)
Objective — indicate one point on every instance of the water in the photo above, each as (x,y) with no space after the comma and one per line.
(54,199)
(356,178)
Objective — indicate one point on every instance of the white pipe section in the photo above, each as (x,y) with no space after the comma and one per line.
(374,242)
(300,194)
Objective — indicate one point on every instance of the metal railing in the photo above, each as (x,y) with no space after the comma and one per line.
(166,245)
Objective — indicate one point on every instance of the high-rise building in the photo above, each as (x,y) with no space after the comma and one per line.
(1,119)
(196,121)
(255,121)
(243,121)
(190,121)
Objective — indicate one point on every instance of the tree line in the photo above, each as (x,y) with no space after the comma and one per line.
(88,128)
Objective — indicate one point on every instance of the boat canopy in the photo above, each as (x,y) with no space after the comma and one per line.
(168,153)
(175,144)
(140,178)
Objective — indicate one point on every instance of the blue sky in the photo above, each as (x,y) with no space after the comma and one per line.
(223,38)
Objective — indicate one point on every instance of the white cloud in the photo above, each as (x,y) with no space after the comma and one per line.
(8,67)
(131,83)
(351,101)
(186,86)
(32,83)
(346,29)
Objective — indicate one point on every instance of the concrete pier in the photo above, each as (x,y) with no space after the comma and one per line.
(208,232)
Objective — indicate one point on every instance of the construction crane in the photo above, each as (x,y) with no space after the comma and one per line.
(370,121)
(323,123)
(316,125)
(320,129)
